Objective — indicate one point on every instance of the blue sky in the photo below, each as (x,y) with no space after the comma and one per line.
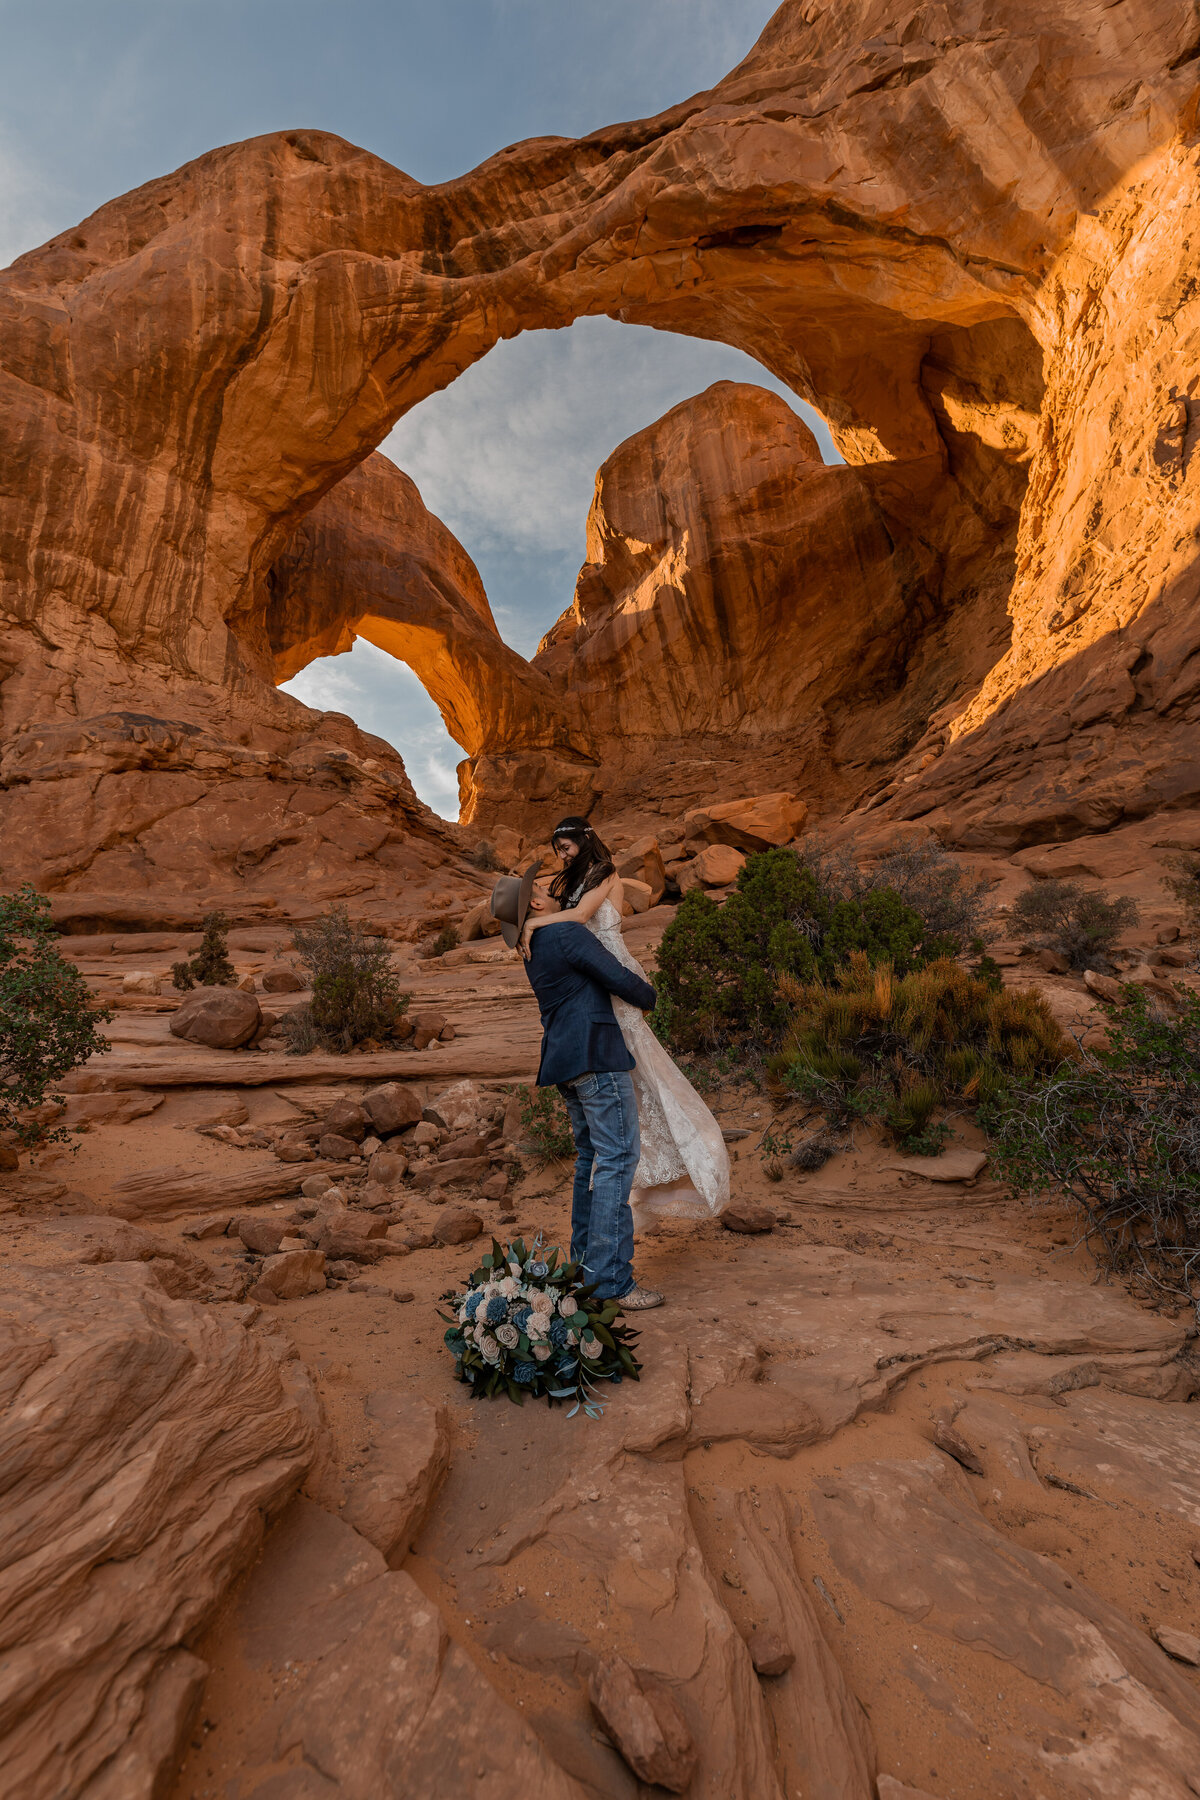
(97,96)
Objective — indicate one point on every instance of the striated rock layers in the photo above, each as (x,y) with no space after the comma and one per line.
(146,1441)
(747,615)
(915,217)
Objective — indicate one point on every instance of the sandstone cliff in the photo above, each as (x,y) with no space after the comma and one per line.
(914,217)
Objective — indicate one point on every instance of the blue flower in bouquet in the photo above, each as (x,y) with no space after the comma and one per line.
(471,1306)
(558,1333)
(496,1309)
(522,1317)
(539,1270)
(524,1372)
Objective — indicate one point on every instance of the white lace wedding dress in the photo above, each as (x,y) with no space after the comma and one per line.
(684,1167)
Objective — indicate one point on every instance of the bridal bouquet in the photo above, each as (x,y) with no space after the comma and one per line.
(528,1325)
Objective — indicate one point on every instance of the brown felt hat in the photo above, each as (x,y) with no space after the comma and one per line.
(510,902)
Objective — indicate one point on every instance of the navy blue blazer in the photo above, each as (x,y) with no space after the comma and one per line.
(572,976)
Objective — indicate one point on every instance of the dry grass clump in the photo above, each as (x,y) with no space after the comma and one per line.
(874,1044)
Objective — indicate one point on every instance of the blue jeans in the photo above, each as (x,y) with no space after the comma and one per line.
(604,1119)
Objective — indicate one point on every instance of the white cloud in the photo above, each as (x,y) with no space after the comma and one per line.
(385,698)
(29,204)
(507,455)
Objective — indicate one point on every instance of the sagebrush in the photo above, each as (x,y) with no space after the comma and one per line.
(47,1023)
(356,993)
(209,966)
(802,915)
(1082,924)
(873,1043)
(1119,1133)
(546,1122)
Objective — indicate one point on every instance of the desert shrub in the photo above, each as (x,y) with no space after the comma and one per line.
(949,900)
(1184,883)
(446,939)
(872,1043)
(798,915)
(356,993)
(1082,924)
(209,966)
(546,1123)
(1119,1133)
(47,1025)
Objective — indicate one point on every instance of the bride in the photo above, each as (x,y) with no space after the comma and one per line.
(684,1168)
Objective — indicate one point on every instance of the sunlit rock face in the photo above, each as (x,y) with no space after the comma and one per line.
(742,605)
(878,204)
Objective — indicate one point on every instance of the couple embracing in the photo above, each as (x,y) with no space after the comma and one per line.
(646,1146)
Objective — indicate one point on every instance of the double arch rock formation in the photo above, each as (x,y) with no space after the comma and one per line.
(965,234)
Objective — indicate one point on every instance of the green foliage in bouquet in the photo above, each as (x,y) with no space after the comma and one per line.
(527,1324)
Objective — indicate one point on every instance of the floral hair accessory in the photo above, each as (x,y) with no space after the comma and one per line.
(528,1324)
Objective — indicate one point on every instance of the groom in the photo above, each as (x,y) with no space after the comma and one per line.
(584,1056)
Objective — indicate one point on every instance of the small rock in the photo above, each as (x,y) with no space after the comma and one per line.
(280,979)
(458,1226)
(220,1018)
(263,1236)
(1180,1644)
(1167,934)
(447,1034)
(716,866)
(295,1150)
(459,1168)
(246,985)
(341,1271)
(645,1724)
(770,1654)
(214,1225)
(419,1240)
(496,1186)
(313,1186)
(388,1167)
(404,1296)
(426,1027)
(1177,957)
(1052,962)
(140,981)
(475,1145)
(335,1148)
(744,1215)
(951,1165)
(391,1108)
(431,1116)
(369,1146)
(292,1274)
(349,1246)
(346,1118)
(1103,986)
(427,1133)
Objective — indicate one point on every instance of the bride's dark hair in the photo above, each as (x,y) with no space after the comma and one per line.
(592,866)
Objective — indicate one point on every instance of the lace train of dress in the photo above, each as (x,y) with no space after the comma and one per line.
(684,1167)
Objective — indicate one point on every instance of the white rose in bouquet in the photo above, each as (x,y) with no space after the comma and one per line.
(568,1307)
(508,1335)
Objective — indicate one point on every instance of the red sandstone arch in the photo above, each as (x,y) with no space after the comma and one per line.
(862,205)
